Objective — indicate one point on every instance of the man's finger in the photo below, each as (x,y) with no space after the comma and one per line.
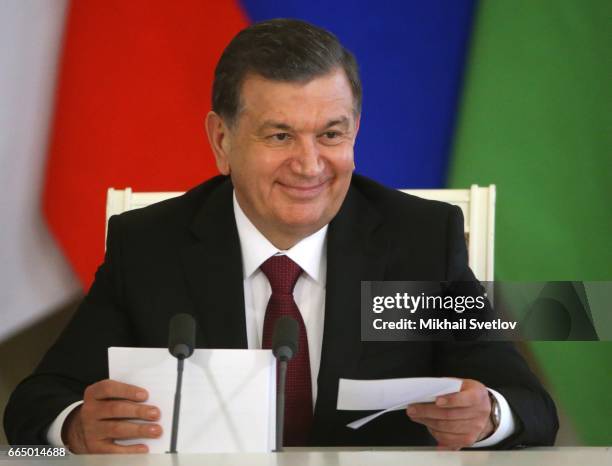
(463,399)
(120,409)
(472,393)
(430,410)
(126,430)
(453,441)
(110,447)
(112,389)
(451,427)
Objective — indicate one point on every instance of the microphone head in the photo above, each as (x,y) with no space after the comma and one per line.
(285,338)
(181,336)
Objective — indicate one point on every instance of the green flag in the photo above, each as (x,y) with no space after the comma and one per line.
(536,120)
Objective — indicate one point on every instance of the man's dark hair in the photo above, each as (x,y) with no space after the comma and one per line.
(286,50)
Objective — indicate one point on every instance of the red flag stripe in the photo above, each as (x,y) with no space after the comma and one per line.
(134,87)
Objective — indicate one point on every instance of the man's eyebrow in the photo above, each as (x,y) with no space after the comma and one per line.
(342,121)
(274,124)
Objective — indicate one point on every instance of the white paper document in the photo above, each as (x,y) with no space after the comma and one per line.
(390,394)
(228,401)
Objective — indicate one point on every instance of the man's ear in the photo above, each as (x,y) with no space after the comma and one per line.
(357,123)
(219,140)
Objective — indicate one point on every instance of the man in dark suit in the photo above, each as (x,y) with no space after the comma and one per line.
(286,109)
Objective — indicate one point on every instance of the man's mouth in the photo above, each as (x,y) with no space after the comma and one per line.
(304,191)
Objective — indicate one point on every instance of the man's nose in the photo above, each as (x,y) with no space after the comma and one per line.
(307,159)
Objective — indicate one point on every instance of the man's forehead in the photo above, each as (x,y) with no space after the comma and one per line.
(323,98)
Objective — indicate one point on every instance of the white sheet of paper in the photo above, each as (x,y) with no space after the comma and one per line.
(390,394)
(228,401)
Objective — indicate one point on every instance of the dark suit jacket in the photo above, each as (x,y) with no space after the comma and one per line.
(183,255)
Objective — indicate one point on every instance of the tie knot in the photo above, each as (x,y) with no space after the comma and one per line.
(282,274)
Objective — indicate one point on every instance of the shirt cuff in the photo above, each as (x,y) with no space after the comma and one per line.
(507,423)
(54,433)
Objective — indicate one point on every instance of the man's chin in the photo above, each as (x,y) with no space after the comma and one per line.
(303,225)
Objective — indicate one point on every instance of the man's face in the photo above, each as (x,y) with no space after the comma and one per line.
(290,153)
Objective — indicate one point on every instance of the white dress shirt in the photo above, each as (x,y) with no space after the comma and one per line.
(309,294)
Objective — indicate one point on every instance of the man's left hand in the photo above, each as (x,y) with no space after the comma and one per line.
(457,420)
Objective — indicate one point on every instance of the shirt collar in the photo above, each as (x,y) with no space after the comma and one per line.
(310,253)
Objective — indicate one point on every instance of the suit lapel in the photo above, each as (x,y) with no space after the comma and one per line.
(213,271)
(355,251)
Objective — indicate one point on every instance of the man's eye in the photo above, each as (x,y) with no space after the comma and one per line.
(331,138)
(280,136)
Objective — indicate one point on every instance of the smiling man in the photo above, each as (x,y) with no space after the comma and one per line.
(287,229)
(289,152)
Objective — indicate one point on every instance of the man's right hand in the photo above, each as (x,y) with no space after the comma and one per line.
(105,415)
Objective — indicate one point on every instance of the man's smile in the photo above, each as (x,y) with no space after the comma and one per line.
(304,191)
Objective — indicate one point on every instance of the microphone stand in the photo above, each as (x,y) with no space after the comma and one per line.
(181,343)
(280,403)
(177,402)
(284,346)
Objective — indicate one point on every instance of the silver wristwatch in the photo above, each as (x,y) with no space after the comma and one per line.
(495,412)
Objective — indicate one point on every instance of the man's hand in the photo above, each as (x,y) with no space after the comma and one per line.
(457,420)
(108,406)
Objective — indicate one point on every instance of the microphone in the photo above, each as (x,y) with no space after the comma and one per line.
(181,337)
(181,342)
(285,338)
(284,346)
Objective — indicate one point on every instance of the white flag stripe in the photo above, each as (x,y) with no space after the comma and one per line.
(34,277)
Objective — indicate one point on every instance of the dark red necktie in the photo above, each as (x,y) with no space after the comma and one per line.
(283,274)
